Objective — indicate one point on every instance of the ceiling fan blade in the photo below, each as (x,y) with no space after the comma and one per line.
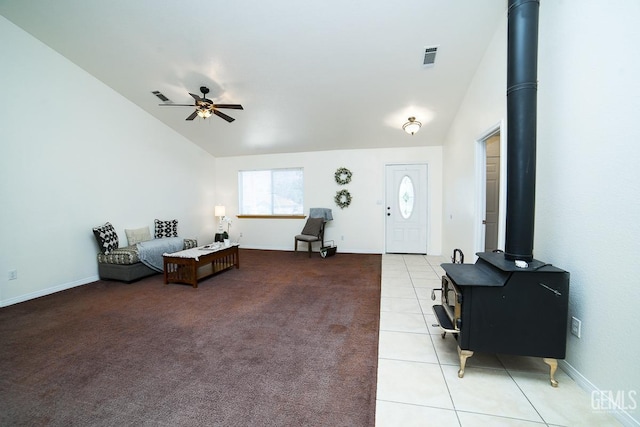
(232,106)
(160,95)
(176,105)
(223,115)
(196,97)
(192,116)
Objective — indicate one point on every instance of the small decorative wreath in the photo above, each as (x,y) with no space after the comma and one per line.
(343,198)
(343,176)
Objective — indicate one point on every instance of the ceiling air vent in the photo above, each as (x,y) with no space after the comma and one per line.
(160,95)
(429,56)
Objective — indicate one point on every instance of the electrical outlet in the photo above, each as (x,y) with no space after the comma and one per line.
(576,326)
(341,237)
(240,234)
(13,274)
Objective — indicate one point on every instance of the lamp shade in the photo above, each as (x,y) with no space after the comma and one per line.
(412,126)
(219,211)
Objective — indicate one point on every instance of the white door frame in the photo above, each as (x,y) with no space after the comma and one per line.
(481,188)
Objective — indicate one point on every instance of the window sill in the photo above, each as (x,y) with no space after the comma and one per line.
(272,216)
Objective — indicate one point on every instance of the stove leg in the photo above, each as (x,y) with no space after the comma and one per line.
(464,355)
(553,365)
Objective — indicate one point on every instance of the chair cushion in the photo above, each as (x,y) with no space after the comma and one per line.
(307,238)
(313,226)
(122,256)
(129,254)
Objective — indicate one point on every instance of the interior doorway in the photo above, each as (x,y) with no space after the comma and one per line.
(491,189)
(492,194)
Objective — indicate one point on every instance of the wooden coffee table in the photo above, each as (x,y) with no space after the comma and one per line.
(191,265)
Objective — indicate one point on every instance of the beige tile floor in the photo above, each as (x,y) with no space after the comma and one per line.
(418,382)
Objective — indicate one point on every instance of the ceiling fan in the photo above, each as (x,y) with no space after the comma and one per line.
(203,107)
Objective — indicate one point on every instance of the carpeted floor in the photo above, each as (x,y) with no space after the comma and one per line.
(283,341)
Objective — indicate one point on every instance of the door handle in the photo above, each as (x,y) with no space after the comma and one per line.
(484,222)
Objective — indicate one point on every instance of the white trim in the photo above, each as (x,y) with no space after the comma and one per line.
(625,418)
(48,291)
(502,203)
(481,194)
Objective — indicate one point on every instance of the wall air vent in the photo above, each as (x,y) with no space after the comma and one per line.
(160,95)
(429,56)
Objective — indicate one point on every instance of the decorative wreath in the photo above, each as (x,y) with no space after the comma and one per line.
(343,176)
(343,198)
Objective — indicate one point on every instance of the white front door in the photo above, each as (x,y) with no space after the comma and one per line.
(406,209)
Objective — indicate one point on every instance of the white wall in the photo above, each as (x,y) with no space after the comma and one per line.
(588,181)
(361,224)
(483,108)
(74,154)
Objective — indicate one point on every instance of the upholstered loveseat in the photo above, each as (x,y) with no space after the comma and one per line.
(130,263)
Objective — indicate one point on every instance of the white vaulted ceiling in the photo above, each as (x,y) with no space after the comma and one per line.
(322,75)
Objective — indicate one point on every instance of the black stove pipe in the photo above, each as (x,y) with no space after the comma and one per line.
(522,86)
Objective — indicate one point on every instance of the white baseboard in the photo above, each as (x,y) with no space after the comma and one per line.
(48,291)
(625,418)
(304,249)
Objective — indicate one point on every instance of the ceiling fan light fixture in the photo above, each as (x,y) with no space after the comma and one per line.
(204,113)
(412,126)
(204,107)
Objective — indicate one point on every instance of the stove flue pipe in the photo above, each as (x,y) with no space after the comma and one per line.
(522,86)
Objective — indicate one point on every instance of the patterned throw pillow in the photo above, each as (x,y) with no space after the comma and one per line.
(107,237)
(166,228)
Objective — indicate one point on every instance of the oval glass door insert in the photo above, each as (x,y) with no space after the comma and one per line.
(406,197)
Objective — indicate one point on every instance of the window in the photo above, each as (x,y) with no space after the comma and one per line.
(406,197)
(271,192)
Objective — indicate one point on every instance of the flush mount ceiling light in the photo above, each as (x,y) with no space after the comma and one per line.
(412,126)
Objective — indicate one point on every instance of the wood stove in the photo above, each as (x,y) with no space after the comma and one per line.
(495,306)
(508,302)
